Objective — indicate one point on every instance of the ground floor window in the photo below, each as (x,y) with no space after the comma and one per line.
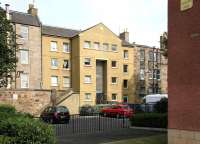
(88,96)
(24,80)
(54,81)
(114,97)
(125,99)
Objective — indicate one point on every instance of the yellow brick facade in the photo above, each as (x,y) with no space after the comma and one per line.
(101,34)
(60,55)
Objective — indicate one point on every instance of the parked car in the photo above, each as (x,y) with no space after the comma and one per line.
(87,110)
(56,114)
(119,110)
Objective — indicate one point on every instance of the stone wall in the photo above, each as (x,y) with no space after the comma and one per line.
(28,101)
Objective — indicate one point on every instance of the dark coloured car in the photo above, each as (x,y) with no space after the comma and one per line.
(118,111)
(56,114)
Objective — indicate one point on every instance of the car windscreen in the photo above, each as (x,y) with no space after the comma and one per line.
(62,109)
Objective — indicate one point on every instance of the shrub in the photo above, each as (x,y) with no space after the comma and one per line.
(27,130)
(7,109)
(156,120)
(161,106)
(23,129)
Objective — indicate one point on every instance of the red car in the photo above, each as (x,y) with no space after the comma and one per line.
(118,111)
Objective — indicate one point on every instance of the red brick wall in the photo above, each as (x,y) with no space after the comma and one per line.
(184,66)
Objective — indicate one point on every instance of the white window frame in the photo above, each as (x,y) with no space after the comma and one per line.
(114,94)
(52,83)
(67,83)
(125,54)
(115,65)
(126,69)
(97,45)
(24,56)
(53,46)
(24,32)
(87,79)
(105,46)
(85,61)
(142,74)
(24,83)
(66,47)
(88,97)
(150,74)
(114,47)
(54,61)
(112,80)
(87,44)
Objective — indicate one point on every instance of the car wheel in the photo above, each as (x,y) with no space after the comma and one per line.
(104,114)
(51,121)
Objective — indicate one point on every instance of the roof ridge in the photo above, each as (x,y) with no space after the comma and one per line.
(45,25)
(11,11)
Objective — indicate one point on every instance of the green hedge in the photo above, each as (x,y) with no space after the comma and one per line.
(156,120)
(18,128)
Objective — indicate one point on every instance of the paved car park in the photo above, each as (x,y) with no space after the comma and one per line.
(107,136)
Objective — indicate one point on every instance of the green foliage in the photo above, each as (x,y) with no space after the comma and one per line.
(7,109)
(155,120)
(7,49)
(21,128)
(161,106)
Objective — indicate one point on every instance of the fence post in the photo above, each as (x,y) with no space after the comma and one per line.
(73,125)
(99,122)
(123,120)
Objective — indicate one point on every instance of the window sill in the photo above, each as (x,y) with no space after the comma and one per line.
(88,65)
(65,69)
(66,52)
(54,68)
(114,67)
(54,85)
(114,83)
(87,82)
(87,100)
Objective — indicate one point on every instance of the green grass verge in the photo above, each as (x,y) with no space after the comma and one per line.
(159,139)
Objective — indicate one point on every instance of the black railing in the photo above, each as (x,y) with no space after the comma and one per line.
(90,124)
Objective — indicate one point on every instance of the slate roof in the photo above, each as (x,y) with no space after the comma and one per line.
(57,31)
(127,44)
(24,18)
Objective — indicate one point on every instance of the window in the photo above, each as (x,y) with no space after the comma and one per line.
(114,80)
(125,99)
(105,47)
(150,74)
(24,32)
(87,44)
(24,56)
(54,63)
(158,74)
(142,64)
(142,75)
(54,81)
(66,47)
(114,97)
(53,46)
(114,64)
(151,57)
(24,80)
(155,56)
(97,45)
(114,48)
(125,54)
(88,96)
(125,83)
(66,82)
(125,68)
(66,64)
(88,79)
(87,61)
(142,55)
(142,90)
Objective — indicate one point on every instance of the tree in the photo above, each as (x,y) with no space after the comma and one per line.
(161,106)
(7,49)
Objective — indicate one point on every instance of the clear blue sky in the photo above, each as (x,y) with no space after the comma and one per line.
(144,19)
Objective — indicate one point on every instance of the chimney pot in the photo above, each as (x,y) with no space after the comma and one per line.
(33,11)
(7,11)
(124,35)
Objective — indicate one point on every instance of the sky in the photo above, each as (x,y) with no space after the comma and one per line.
(145,20)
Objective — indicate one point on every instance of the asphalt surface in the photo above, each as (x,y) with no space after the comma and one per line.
(106,137)
(97,130)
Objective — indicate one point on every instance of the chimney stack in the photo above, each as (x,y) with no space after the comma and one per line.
(7,11)
(33,11)
(124,35)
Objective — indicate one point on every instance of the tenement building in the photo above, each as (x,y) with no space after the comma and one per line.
(96,63)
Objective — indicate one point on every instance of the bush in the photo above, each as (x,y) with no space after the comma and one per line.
(7,109)
(156,120)
(22,128)
(161,106)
